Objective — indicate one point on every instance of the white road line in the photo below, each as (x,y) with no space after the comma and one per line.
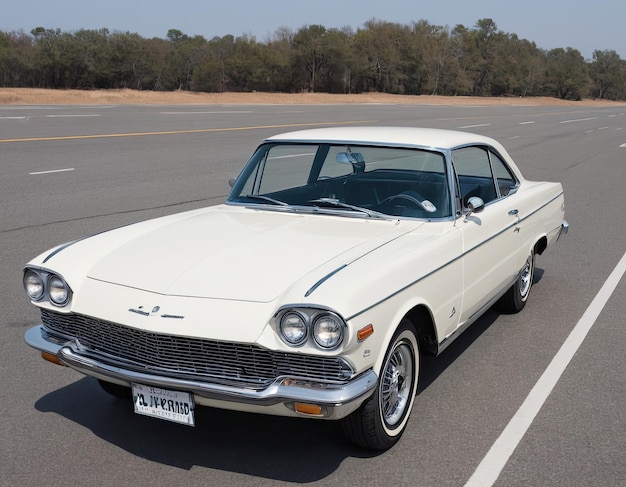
(526,123)
(56,107)
(50,116)
(477,125)
(72,116)
(497,457)
(623,145)
(51,171)
(293,155)
(210,112)
(579,120)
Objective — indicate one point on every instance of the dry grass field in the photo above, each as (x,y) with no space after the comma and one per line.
(35,96)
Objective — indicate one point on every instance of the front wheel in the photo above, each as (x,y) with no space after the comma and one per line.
(515,298)
(381,420)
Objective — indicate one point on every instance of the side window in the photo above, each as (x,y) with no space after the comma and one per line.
(474,172)
(504,177)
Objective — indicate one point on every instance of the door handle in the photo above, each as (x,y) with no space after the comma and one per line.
(514,212)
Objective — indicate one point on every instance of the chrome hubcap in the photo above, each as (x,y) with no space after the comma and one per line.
(525,278)
(396,384)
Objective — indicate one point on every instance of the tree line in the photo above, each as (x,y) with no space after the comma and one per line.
(410,59)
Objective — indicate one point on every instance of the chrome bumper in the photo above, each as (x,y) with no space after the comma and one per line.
(285,390)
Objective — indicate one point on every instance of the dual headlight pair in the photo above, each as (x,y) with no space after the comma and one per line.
(296,326)
(41,285)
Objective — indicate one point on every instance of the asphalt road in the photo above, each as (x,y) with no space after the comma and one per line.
(70,171)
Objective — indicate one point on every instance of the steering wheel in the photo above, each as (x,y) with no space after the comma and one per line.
(411,198)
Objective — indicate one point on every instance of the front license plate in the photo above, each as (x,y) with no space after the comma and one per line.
(165,404)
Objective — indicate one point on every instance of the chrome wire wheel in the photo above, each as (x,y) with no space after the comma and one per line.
(396,385)
(526,278)
(514,300)
(380,421)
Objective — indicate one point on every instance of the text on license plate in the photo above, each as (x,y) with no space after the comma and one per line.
(165,404)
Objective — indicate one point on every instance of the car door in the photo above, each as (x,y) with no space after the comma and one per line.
(491,238)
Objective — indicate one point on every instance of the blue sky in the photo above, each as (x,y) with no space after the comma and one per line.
(583,25)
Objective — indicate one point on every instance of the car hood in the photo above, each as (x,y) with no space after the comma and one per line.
(239,253)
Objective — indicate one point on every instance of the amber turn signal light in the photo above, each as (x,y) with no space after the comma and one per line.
(50,357)
(363,333)
(310,409)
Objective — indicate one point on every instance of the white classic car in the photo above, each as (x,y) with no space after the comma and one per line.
(340,255)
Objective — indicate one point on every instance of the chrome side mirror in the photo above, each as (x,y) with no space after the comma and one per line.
(475,205)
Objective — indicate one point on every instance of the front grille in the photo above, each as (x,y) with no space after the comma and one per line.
(196,358)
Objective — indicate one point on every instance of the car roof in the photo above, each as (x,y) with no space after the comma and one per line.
(397,136)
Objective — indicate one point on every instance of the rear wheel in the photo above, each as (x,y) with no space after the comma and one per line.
(515,298)
(381,420)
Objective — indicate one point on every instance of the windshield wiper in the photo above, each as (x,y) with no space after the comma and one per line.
(335,203)
(265,199)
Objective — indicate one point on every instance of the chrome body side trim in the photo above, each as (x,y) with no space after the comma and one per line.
(562,231)
(323,279)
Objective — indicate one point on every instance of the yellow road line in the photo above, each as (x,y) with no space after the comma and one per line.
(174,132)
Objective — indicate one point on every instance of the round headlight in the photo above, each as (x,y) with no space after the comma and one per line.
(293,328)
(58,291)
(328,330)
(33,285)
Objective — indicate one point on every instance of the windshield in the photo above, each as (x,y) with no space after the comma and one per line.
(366,180)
